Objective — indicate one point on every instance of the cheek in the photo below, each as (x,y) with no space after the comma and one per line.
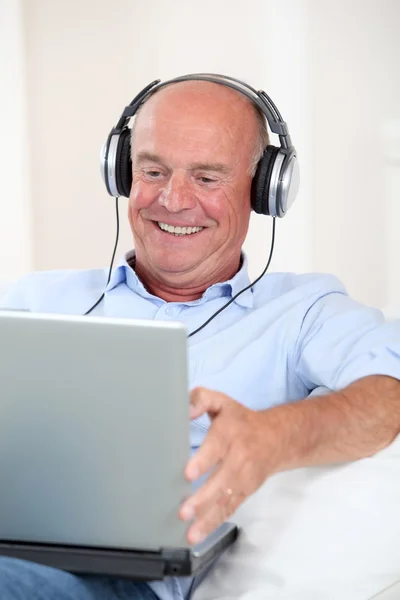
(140,197)
(137,201)
(216,204)
(226,208)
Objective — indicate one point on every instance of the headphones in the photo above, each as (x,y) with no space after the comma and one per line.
(276,181)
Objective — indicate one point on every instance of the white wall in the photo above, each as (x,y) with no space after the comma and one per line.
(331,66)
(391,147)
(79,54)
(356,89)
(15,196)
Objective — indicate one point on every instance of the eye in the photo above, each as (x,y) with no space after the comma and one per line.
(153,174)
(206,180)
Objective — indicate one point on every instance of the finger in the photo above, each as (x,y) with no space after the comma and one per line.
(217,514)
(203,400)
(190,507)
(229,476)
(210,453)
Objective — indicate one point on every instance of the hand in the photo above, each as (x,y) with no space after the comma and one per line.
(240,448)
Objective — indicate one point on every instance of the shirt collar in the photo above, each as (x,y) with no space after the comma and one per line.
(125,273)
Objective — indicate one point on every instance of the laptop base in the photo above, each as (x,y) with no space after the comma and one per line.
(139,565)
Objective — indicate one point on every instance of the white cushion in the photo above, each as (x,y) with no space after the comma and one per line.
(390,593)
(329,533)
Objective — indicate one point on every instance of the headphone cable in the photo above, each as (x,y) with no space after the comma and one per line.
(112,260)
(244,289)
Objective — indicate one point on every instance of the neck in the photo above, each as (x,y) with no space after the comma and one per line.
(175,288)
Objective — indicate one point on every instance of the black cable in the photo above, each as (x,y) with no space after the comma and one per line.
(244,289)
(112,260)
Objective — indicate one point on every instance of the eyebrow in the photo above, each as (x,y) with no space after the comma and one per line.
(148,156)
(220,167)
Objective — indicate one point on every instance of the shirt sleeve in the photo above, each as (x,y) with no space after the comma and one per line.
(17,296)
(341,340)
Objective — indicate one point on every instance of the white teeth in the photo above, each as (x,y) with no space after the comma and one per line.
(179,230)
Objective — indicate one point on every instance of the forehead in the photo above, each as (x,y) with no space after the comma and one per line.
(197,114)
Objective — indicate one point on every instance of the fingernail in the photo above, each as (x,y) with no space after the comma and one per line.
(187,513)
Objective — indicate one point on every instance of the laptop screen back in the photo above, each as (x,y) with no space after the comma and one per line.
(94,430)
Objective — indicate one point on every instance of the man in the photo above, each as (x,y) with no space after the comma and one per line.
(194,149)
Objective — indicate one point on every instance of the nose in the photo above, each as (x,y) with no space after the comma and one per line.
(177,195)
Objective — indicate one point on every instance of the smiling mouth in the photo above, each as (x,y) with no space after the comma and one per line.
(178,231)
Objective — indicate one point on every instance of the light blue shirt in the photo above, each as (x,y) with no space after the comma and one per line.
(275,343)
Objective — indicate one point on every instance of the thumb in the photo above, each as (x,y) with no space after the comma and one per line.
(203,400)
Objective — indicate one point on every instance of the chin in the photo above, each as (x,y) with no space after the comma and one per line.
(175,268)
(170,263)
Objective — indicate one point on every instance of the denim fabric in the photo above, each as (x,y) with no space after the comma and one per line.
(22,580)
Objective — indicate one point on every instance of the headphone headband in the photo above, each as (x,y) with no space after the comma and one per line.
(259,98)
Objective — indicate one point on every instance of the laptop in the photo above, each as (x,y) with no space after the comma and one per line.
(94,439)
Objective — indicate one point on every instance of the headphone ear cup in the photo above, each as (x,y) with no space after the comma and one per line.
(123,163)
(261,181)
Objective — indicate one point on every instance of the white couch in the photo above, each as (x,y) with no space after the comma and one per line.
(326,533)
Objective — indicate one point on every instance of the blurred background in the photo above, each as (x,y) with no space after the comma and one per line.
(69,67)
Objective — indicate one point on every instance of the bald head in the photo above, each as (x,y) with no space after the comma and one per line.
(206,104)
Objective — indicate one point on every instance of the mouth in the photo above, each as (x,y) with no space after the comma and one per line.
(178,230)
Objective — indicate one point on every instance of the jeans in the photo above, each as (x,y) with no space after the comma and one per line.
(22,580)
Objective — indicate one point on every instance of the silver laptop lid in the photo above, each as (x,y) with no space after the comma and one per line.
(94,430)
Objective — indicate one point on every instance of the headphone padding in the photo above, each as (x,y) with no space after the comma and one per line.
(261,181)
(123,163)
